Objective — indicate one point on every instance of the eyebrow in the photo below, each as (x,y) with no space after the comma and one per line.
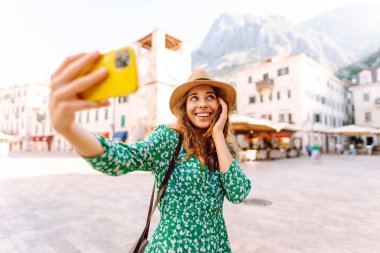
(208,92)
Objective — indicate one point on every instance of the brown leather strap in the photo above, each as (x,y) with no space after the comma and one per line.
(162,189)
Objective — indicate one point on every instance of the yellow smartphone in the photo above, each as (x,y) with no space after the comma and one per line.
(122,75)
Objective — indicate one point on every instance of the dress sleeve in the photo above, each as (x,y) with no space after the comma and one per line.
(236,185)
(120,158)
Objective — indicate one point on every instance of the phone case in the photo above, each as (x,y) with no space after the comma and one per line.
(122,75)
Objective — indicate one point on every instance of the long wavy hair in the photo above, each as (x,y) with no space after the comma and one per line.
(202,144)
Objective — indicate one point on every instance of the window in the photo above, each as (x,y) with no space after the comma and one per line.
(283,71)
(252,100)
(250,79)
(122,123)
(261,98)
(323,100)
(366,96)
(290,120)
(278,95)
(367,117)
(270,96)
(326,119)
(266,76)
(317,117)
(281,117)
(88,116)
(289,93)
(80,117)
(106,113)
(123,99)
(266,116)
(96,116)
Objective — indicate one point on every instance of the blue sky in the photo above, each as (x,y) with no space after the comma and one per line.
(36,35)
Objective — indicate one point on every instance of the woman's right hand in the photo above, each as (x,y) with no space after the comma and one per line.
(66,84)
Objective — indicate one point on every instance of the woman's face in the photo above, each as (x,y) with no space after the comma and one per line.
(201,105)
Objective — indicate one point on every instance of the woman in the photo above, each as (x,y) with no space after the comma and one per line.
(206,170)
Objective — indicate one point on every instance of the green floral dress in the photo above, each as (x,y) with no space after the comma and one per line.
(191,207)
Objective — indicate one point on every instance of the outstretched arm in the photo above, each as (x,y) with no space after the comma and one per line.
(66,84)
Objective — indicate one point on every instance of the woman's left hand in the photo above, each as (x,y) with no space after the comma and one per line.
(219,125)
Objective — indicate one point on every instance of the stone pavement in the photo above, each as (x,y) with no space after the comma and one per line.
(54,204)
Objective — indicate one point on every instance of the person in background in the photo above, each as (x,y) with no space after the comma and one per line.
(308,150)
(316,151)
(338,148)
(352,150)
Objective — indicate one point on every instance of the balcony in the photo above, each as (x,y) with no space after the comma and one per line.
(265,85)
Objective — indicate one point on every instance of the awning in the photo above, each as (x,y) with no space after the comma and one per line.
(268,135)
(42,138)
(243,123)
(104,134)
(121,135)
(353,130)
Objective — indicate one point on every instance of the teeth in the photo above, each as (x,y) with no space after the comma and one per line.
(203,114)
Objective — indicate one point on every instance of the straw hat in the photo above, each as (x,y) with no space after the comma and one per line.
(197,78)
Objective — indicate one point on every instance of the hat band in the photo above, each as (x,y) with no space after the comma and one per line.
(202,79)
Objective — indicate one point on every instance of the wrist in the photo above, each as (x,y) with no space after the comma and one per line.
(67,131)
(217,135)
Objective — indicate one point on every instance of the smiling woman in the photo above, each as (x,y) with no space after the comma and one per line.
(192,179)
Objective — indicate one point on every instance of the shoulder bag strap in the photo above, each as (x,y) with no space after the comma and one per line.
(162,189)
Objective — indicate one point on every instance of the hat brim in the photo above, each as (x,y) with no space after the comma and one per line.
(181,90)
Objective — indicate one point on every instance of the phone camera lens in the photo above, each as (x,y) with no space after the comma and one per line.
(122,59)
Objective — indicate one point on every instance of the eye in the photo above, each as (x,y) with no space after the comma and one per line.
(193,98)
(211,97)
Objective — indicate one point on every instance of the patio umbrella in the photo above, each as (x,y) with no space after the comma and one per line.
(287,127)
(353,130)
(242,123)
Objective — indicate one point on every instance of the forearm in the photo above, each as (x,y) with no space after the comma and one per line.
(224,156)
(84,142)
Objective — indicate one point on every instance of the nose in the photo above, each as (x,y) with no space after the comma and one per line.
(202,103)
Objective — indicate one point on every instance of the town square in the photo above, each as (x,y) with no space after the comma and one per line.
(51,203)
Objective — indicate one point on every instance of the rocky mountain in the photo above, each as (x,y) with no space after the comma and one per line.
(350,71)
(355,28)
(237,41)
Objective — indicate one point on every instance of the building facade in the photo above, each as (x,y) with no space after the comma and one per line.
(366,97)
(164,62)
(23,114)
(297,90)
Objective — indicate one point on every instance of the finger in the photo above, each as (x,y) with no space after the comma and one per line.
(74,69)
(65,63)
(223,104)
(81,84)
